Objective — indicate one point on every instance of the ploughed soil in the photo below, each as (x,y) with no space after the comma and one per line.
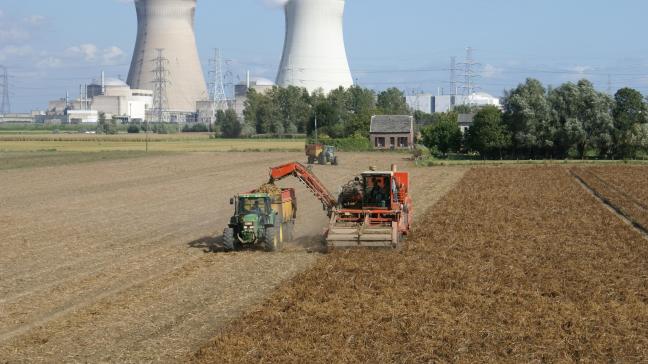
(119,261)
(515,264)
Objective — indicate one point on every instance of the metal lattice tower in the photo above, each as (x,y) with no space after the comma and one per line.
(5,105)
(160,83)
(216,86)
(454,85)
(469,86)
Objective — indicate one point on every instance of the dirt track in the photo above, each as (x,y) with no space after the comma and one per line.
(106,261)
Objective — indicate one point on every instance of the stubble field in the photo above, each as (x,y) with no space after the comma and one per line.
(105,261)
(515,264)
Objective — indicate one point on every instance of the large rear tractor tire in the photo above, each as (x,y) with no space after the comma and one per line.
(229,242)
(271,240)
(335,161)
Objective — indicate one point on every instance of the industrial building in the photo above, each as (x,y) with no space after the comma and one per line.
(430,103)
(110,96)
(165,58)
(314,55)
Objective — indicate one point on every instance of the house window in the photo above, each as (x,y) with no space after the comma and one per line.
(380,142)
(403,142)
(392,142)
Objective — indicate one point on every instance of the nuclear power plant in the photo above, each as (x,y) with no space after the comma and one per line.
(314,54)
(165,58)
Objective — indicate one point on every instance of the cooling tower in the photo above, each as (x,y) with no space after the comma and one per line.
(314,55)
(169,25)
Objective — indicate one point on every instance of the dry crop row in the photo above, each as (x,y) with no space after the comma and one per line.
(513,265)
(631,179)
(620,188)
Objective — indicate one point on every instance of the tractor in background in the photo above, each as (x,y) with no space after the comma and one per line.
(322,154)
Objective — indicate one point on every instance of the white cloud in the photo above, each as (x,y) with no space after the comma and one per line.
(490,71)
(12,51)
(112,55)
(91,53)
(88,51)
(49,62)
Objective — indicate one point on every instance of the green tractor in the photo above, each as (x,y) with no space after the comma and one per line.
(261,219)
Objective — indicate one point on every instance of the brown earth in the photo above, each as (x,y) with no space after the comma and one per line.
(621,187)
(515,265)
(107,262)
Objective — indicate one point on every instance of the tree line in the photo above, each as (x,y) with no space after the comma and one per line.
(292,110)
(570,121)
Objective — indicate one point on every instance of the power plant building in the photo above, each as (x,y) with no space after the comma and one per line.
(314,55)
(166,57)
(431,104)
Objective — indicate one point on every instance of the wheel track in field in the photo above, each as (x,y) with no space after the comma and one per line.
(610,205)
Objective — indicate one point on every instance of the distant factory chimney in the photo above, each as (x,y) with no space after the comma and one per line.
(314,55)
(168,25)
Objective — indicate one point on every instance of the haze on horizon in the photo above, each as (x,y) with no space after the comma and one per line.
(50,47)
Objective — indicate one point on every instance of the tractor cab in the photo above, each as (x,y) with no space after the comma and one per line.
(257,204)
(377,190)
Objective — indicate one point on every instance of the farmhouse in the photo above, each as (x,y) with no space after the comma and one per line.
(392,132)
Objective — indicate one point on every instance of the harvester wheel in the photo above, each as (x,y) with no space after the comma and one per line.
(335,161)
(228,239)
(271,240)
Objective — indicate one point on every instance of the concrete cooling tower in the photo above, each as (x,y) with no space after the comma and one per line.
(314,55)
(168,25)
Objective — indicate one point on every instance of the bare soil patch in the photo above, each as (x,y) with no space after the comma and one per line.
(514,265)
(108,261)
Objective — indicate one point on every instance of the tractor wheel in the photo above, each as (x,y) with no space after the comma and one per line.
(228,240)
(322,159)
(271,240)
(335,161)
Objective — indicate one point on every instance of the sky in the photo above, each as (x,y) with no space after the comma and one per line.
(52,46)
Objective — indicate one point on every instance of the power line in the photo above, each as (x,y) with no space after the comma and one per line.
(160,83)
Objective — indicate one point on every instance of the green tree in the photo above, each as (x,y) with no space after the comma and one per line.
(528,117)
(488,134)
(444,135)
(230,125)
(105,126)
(362,105)
(629,110)
(582,118)
(392,102)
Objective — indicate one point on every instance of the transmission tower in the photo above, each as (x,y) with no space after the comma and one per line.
(469,86)
(216,86)
(454,85)
(160,83)
(5,105)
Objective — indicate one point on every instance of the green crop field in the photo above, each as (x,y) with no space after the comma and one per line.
(137,142)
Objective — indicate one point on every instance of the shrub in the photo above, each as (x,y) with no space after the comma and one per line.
(133,129)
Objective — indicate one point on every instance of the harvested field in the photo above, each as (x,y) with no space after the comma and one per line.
(105,261)
(514,265)
(623,188)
